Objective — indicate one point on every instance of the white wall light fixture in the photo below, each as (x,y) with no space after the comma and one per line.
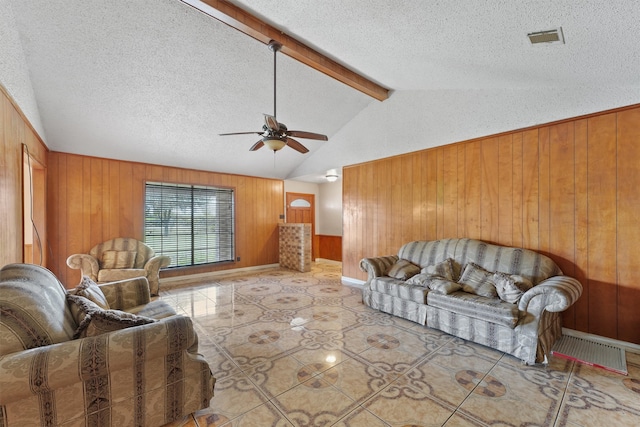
(332,175)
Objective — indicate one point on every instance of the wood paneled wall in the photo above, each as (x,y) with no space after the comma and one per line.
(330,247)
(15,130)
(570,190)
(92,200)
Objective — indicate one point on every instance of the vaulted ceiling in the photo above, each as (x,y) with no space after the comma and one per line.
(156,81)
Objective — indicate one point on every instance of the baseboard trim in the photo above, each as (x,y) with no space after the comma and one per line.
(328,261)
(351,281)
(213,274)
(627,346)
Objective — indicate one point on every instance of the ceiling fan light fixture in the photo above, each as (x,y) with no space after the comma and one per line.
(273,144)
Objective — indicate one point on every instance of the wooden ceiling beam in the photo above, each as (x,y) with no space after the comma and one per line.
(243,21)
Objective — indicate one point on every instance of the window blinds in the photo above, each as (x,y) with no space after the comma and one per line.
(191,224)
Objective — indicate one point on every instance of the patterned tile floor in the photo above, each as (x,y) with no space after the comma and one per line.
(300,349)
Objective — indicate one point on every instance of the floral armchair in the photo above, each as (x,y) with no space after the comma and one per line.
(121,258)
(96,355)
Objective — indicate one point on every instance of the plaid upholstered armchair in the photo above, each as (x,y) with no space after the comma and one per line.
(95,355)
(121,258)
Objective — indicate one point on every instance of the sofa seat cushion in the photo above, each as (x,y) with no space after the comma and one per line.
(113,275)
(492,310)
(400,289)
(157,309)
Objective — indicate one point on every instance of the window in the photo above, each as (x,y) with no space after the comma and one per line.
(191,224)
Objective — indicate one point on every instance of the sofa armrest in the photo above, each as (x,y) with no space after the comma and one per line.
(152,268)
(154,264)
(44,369)
(87,265)
(377,266)
(126,293)
(554,294)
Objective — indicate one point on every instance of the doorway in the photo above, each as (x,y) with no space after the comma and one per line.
(301,209)
(34,202)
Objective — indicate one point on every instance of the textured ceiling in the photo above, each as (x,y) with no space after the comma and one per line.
(156,81)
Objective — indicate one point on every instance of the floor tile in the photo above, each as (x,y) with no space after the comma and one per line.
(235,395)
(361,418)
(276,376)
(220,364)
(314,403)
(399,405)
(358,380)
(436,382)
(263,415)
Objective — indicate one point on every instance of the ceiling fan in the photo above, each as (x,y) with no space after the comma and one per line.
(275,135)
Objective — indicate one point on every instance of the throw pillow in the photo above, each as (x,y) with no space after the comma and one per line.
(442,269)
(118,259)
(90,290)
(403,270)
(511,287)
(420,280)
(80,307)
(444,286)
(476,280)
(103,321)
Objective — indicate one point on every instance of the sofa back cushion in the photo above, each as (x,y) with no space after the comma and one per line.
(426,253)
(529,264)
(140,252)
(526,263)
(118,259)
(33,309)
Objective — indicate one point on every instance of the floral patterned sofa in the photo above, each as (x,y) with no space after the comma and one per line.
(502,297)
(97,355)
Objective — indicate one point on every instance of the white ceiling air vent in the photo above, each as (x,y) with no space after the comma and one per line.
(549,36)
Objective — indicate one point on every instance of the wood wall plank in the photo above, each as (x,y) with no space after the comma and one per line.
(517,219)
(581,225)
(489,201)
(450,191)
(562,203)
(530,189)
(473,192)
(628,220)
(601,211)
(567,189)
(505,189)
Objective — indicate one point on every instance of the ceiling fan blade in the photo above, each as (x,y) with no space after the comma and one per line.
(271,122)
(296,145)
(257,146)
(307,135)
(240,133)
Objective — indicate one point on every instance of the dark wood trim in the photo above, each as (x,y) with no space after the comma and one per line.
(243,21)
(330,247)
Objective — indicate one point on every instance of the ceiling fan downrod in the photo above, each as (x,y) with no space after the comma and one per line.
(274,46)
